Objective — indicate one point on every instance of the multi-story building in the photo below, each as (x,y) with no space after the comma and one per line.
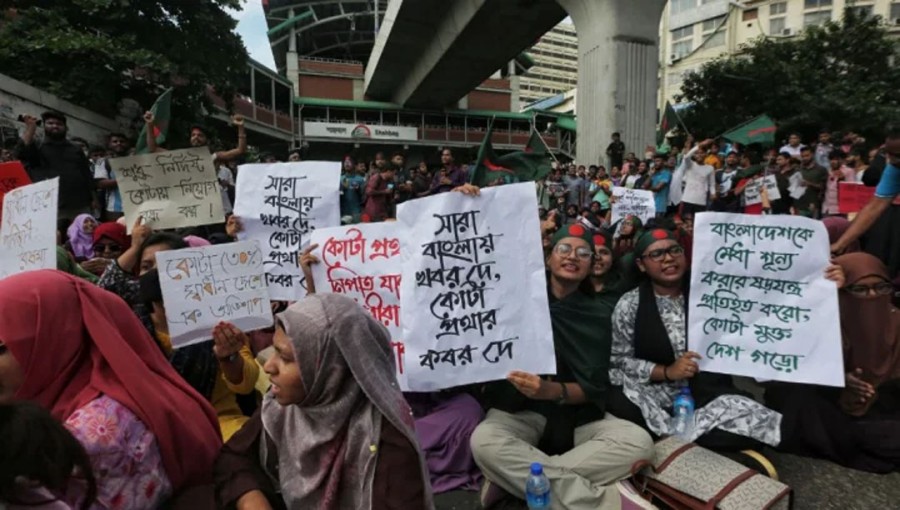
(694,32)
(555,65)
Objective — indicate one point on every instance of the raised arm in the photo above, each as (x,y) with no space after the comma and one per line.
(149,121)
(238,121)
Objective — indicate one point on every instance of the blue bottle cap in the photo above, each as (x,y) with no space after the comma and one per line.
(537,469)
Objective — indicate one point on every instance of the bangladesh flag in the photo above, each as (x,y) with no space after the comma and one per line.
(759,130)
(668,122)
(530,164)
(162,111)
(535,144)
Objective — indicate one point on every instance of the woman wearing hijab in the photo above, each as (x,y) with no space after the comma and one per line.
(628,231)
(836,227)
(80,237)
(79,352)
(109,241)
(334,432)
(857,426)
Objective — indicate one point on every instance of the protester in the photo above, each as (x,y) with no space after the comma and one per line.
(857,426)
(105,178)
(80,237)
(814,178)
(353,186)
(658,183)
(67,264)
(838,173)
(629,230)
(650,361)
(333,406)
(824,148)
(110,240)
(54,157)
(380,193)
(615,151)
(79,352)
(586,450)
(449,176)
(699,180)
(726,179)
(576,188)
(793,146)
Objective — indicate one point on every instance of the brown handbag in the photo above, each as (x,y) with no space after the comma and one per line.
(686,476)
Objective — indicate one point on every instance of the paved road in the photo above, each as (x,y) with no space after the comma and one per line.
(817,484)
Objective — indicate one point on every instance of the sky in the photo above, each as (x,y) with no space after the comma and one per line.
(252,29)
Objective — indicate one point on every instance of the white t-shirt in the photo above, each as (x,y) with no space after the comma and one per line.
(699,181)
(226,179)
(793,151)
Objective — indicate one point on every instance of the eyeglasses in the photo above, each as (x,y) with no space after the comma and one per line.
(582,252)
(673,251)
(880,289)
(106,247)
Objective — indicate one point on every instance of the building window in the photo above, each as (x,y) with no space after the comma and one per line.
(817,4)
(683,33)
(777,26)
(777,8)
(682,49)
(816,18)
(895,10)
(712,38)
(711,24)
(679,6)
(750,15)
(682,41)
(862,11)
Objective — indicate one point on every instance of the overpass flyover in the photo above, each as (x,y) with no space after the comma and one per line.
(430,53)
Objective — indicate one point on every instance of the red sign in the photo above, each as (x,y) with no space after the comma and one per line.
(853,196)
(12,176)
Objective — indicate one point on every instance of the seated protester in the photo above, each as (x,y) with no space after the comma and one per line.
(650,360)
(65,262)
(857,426)
(80,237)
(109,241)
(238,370)
(334,432)
(80,353)
(41,461)
(566,415)
(628,231)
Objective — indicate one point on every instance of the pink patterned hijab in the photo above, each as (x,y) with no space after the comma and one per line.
(327,444)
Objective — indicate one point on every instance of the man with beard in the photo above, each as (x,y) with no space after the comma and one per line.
(117,146)
(814,178)
(449,176)
(55,156)
(726,179)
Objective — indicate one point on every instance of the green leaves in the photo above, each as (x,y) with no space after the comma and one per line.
(836,76)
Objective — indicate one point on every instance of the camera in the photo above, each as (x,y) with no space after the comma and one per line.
(21,118)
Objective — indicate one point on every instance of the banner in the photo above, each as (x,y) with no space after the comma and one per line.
(636,202)
(170,189)
(279,205)
(853,196)
(28,230)
(358,131)
(204,286)
(752,190)
(473,289)
(363,262)
(760,305)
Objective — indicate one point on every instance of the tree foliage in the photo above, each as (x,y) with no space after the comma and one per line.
(98,52)
(838,76)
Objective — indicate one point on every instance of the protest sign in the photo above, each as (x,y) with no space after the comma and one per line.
(204,286)
(853,196)
(635,202)
(754,187)
(170,189)
(279,204)
(796,188)
(473,293)
(363,262)
(28,231)
(760,305)
(12,176)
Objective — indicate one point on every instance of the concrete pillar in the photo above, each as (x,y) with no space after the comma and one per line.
(292,65)
(618,62)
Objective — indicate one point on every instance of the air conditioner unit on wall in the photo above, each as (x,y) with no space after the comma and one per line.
(674,59)
(896,21)
(787,32)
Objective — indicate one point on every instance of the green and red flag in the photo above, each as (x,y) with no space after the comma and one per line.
(667,123)
(530,164)
(535,144)
(162,112)
(759,130)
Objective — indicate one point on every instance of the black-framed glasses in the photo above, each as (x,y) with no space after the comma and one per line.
(565,249)
(879,289)
(658,254)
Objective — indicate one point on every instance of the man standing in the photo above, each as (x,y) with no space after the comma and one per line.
(813,179)
(117,146)
(449,176)
(660,178)
(353,184)
(699,181)
(726,178)
(839,173)
(379,194)
(576,187)
(615,151)
(793,146)
(824,148)
(56,156)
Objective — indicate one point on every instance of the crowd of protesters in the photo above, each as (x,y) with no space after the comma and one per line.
(98,410)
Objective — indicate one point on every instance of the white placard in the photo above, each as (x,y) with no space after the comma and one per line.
(28,231)
(363,262)
(170,189)
(752,190)
(204,286)
(473,291)
(759,304)
(635,202)
(279,204)
(358,131)
(797,189)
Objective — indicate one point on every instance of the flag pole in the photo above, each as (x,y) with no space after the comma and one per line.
(541,138)
(680,122)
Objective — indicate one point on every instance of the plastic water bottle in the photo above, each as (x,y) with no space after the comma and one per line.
(683,415)
(537,488)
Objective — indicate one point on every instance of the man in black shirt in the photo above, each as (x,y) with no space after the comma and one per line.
(55,156)
(616,151)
